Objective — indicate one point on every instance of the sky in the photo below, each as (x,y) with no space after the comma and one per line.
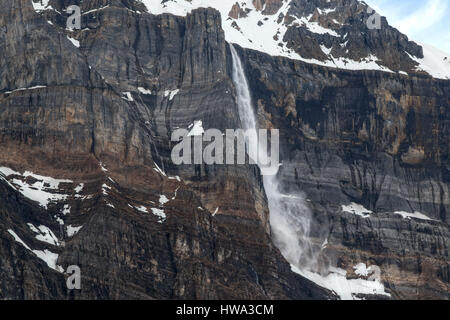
(425,21)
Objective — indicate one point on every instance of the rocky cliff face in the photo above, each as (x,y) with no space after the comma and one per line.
(378,141)
(86,177)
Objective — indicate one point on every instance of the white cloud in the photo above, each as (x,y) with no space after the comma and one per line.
(423,21)
(423,18)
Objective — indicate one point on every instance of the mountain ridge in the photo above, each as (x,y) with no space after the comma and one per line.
(326,25)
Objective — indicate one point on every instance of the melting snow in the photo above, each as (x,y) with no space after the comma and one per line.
(16,237)
(41,5)
(175,178)
(29,88)
(47,256)
(142,209)
(102,167)
(345,288)
(171,93)
(95,10)
(105,189)
(41,191)
(128,96)
(314,27)
(76,43)
(8,172)
(357,209)
(158,169)
(163,200)
(435,62)
(361,269)
(59,220)
(71,230)
(66,209)
(174,195)
(44,234)
(197,128)
(325,49)
(144,91)
(416,214)
(160,214)
(79,188)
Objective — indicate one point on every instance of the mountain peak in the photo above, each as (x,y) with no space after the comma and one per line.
(324,32)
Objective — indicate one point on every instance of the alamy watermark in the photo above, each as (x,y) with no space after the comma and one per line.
(74,20)
(374,21)
(73,282)
(234,147)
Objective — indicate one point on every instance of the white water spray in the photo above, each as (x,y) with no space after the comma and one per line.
(290,218)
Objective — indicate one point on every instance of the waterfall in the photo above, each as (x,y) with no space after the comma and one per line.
(290,218)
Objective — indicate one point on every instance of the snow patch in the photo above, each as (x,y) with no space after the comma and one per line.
(314,27)
(95,10)
(171,93)
(44,234)
(23,89)
(71,230)
(197,128)
(361,269)
(76,43)
(158,169)
(79,188)
(416,215)
(142,209)
(17,238)
(128,96)
(357,209)
(144,91)
(163,199)
(47,256)
(346,289)
(435,62)
(66,209)
(160,214)
(43,190)
(102,167)
(41,5)
(325,50)
(105,189)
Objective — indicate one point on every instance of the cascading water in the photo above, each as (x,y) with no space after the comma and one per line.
(290,218)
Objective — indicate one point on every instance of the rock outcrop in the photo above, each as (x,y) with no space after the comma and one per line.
(347,35)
